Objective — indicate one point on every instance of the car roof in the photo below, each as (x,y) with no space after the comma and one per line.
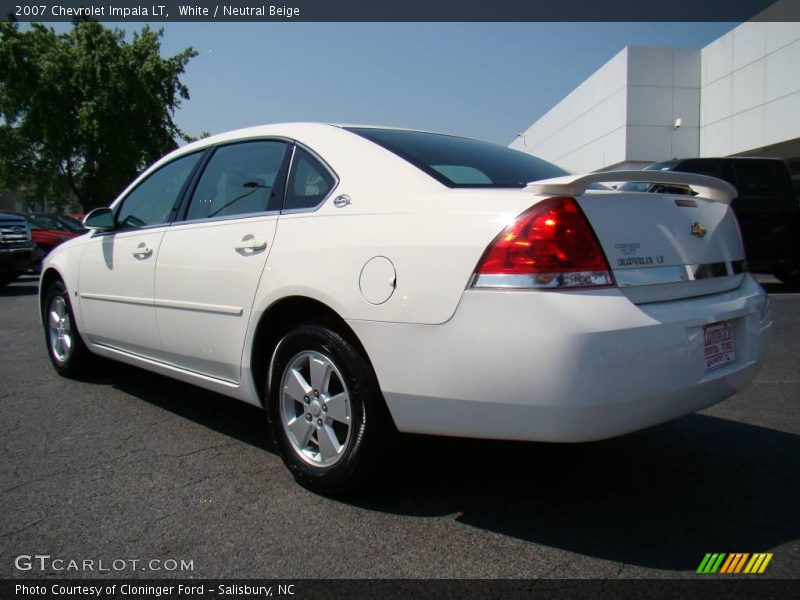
(324,138)
(282,129)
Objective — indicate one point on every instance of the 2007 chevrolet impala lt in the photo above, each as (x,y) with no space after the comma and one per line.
(357,280)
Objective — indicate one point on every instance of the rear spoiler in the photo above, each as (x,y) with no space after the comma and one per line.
(710,188)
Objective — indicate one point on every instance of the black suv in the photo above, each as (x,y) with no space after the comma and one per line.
(16,247)
(766,207)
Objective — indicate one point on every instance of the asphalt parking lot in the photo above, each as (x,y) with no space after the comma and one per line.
(131,465)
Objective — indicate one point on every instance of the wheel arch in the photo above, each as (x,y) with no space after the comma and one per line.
(48,277)
(278,319)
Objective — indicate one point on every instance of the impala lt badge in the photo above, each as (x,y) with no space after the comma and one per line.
(699,230)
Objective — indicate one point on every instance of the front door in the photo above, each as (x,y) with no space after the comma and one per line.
(117,270)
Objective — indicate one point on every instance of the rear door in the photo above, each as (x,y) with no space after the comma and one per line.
(212,257)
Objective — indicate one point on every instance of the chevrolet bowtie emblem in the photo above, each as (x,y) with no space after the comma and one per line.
(699,230)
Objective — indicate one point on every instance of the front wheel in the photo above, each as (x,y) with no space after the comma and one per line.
(65,347)
(326,411)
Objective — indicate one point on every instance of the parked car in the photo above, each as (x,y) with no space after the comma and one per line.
(71,223)
(48,231)
(16,247)
(354,280)
(766,206)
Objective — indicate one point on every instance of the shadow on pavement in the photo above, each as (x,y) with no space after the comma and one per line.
(659,498)
(230,417)
(20,287)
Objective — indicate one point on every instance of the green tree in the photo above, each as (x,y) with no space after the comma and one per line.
(84,111)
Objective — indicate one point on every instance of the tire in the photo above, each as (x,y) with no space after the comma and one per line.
(330,425)
(66,349)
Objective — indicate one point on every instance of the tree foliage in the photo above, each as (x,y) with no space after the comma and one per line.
(84,111)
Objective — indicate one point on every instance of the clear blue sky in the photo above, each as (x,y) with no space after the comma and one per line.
(484,80)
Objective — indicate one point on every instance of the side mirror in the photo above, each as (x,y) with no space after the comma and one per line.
(100,219)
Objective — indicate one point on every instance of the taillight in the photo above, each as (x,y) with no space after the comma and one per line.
(550,245)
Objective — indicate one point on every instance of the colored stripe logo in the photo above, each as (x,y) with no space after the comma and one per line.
(736,562)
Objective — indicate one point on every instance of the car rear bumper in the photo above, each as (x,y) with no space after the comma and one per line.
(563,367)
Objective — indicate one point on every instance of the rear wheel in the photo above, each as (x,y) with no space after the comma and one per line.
(65,347)
(326,411)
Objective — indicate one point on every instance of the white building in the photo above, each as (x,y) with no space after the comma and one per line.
(740,96)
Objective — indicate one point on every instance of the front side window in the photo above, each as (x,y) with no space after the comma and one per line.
(462,162)
(240,179)
(309,182)
(151,202)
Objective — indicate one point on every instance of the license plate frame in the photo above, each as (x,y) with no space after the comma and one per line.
(719,345)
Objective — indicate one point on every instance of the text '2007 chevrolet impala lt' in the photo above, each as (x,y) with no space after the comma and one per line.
(355,281)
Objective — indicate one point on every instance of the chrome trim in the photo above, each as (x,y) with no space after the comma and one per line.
(164,365)
(341,201)
(651,276)
(96,233)
(677,273)
(323,162)
(236,217)
(25,249)
(579,279)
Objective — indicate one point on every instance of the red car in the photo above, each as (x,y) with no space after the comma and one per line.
(48,231)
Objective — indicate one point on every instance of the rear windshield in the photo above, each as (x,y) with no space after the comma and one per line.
(461,162)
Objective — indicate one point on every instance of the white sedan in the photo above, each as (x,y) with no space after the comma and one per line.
(357,280)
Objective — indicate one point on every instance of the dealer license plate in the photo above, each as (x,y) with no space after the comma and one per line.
(720,348)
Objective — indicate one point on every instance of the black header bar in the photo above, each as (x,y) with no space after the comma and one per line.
(400,10)
(697,586)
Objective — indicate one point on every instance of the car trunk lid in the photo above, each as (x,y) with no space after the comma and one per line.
(661,246)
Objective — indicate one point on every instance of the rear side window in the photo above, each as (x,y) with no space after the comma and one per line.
(309,182)
(239,179)
(462,162)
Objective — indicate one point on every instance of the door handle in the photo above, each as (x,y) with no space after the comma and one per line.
(250,245)
(142,251)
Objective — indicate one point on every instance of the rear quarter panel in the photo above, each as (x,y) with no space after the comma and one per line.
(433,239)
